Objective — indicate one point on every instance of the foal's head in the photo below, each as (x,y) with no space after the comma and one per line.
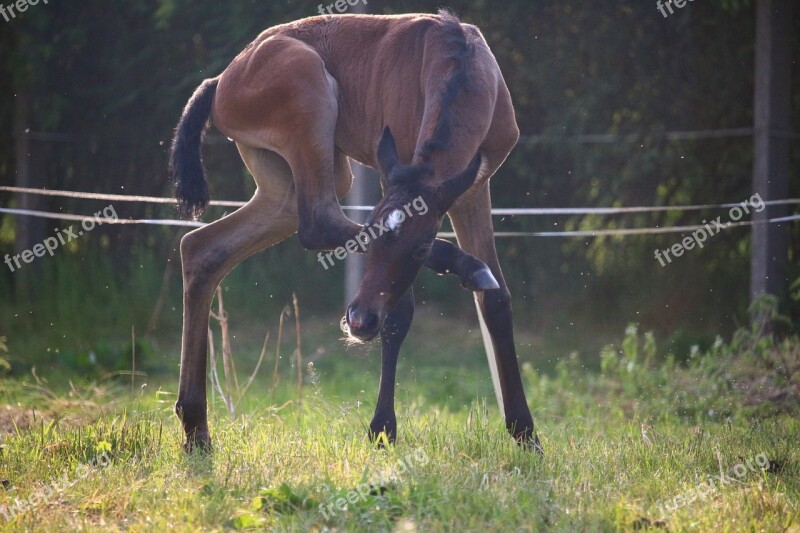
(401,230)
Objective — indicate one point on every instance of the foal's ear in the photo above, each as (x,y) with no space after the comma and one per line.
(451,189)
(387,153)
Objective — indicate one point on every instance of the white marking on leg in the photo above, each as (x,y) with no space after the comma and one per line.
(487,344)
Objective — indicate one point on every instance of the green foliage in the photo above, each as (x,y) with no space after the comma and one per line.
(280,501)
(5,366)
(633,365)
(754,373)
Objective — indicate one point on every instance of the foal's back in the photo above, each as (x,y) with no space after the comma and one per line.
(381,70)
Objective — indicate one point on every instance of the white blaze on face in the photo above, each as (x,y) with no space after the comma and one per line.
(395,220)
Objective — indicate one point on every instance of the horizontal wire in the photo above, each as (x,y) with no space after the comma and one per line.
(81,218)
(578,138)
(511,211)
(631,231)
(568,233)
(110,197)
(599,138)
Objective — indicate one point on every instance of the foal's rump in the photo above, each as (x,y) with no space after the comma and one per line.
(278,85)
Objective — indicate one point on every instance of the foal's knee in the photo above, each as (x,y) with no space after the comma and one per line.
(325,229)
(197,269)
(311,237)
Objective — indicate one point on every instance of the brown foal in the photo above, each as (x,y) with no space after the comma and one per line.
(420,97)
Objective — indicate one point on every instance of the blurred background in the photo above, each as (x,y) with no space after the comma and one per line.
(617,104)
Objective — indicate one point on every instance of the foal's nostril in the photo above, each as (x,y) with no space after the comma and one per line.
(351,318)
(362,323)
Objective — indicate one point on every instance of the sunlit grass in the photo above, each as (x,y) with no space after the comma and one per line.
(617,447)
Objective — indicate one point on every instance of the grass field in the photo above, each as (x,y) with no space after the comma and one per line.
(644,443)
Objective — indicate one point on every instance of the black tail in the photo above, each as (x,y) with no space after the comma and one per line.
(185,161)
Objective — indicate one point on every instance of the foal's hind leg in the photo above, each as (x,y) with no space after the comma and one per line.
(207,255)
(394,332)
(282,97)
(471,216)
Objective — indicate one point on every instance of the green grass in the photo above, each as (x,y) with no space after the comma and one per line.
(618,444)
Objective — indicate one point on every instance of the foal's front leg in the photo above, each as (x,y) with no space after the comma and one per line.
(447,258)
(393,334)
(444,258)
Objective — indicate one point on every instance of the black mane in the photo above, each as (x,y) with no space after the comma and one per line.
(461,54)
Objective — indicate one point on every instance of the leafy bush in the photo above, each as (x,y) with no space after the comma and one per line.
(755,370)
(755,374)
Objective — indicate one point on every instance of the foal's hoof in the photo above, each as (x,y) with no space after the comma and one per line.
(382,436)
(527,439)
(534,445)
(481,280)
(381,440)
(200,441)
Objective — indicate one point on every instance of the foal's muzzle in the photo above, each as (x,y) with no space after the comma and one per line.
(364,324)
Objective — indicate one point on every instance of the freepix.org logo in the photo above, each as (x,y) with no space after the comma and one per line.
(391,223)
(10,11)
(51,244)
(340,5)
(51,493)
(668,5)
(699,237)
